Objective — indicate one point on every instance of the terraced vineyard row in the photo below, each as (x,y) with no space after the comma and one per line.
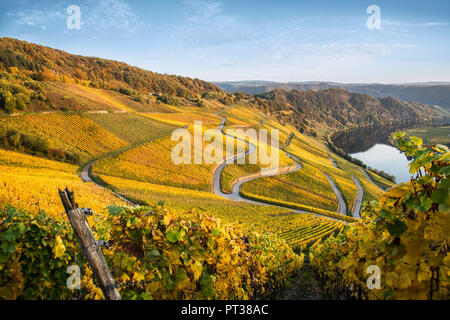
(185,118)
(311,230)
(297,229)
(31,183)
(130,127)
(87,135)
(307,187)
(152,163)
(71,132)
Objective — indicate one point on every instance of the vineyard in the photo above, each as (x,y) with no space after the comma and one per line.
(19,172)
(152,163)
(70,132)
(217,261)
(130,127)
(182,241)
(307,186)
(181,119)
(297,230)
(234,171)
(411,246)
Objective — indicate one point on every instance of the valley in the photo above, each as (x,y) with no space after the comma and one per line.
(235,229)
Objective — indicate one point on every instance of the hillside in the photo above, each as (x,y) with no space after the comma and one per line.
(426,93)
(335,109)
(45,63)
(38,78)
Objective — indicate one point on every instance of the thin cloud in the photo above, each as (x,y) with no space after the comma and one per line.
(35,17)
(97,16)
(409,25)
(434,24)
(110,15)
(202,10)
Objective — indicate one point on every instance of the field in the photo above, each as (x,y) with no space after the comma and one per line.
(31,183)
(432,135)
(382,182)
(130,127)
(71,132)
(297,229)
(186,118)
(240,114)
(307,186)
(234,171)
(152,162)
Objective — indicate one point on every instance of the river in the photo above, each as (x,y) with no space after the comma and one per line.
(371,146)
(386,158)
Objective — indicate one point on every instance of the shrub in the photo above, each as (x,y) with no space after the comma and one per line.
(125,91)
(167,99)
(189,256)
(35,252)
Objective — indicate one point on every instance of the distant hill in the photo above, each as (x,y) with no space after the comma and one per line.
(336,109)
(432,93)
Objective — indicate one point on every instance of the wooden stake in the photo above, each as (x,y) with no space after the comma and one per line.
(89,246)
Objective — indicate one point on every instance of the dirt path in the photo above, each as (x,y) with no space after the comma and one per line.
(85,175)
(304,287)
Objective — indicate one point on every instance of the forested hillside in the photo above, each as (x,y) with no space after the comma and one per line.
(44,63)
(427,93)
(336,109)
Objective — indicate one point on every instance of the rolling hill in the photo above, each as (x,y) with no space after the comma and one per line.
(335,109)
(50,64)
(431,93)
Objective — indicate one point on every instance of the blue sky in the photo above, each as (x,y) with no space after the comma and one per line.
(282,40)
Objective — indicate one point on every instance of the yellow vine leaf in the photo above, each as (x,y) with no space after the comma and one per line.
(59,247)
(138,276)
(197,269)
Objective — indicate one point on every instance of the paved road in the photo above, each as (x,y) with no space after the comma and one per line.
(333,162)
(342,206)
(359,199)
(85,175)
(235,195)
(369,178)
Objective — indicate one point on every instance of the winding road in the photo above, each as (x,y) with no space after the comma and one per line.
(359,197)
(342,208)
(85,175)
(358,201)
(235,194)
(369,178)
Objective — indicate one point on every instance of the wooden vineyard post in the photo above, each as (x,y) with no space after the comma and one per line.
(89,245)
